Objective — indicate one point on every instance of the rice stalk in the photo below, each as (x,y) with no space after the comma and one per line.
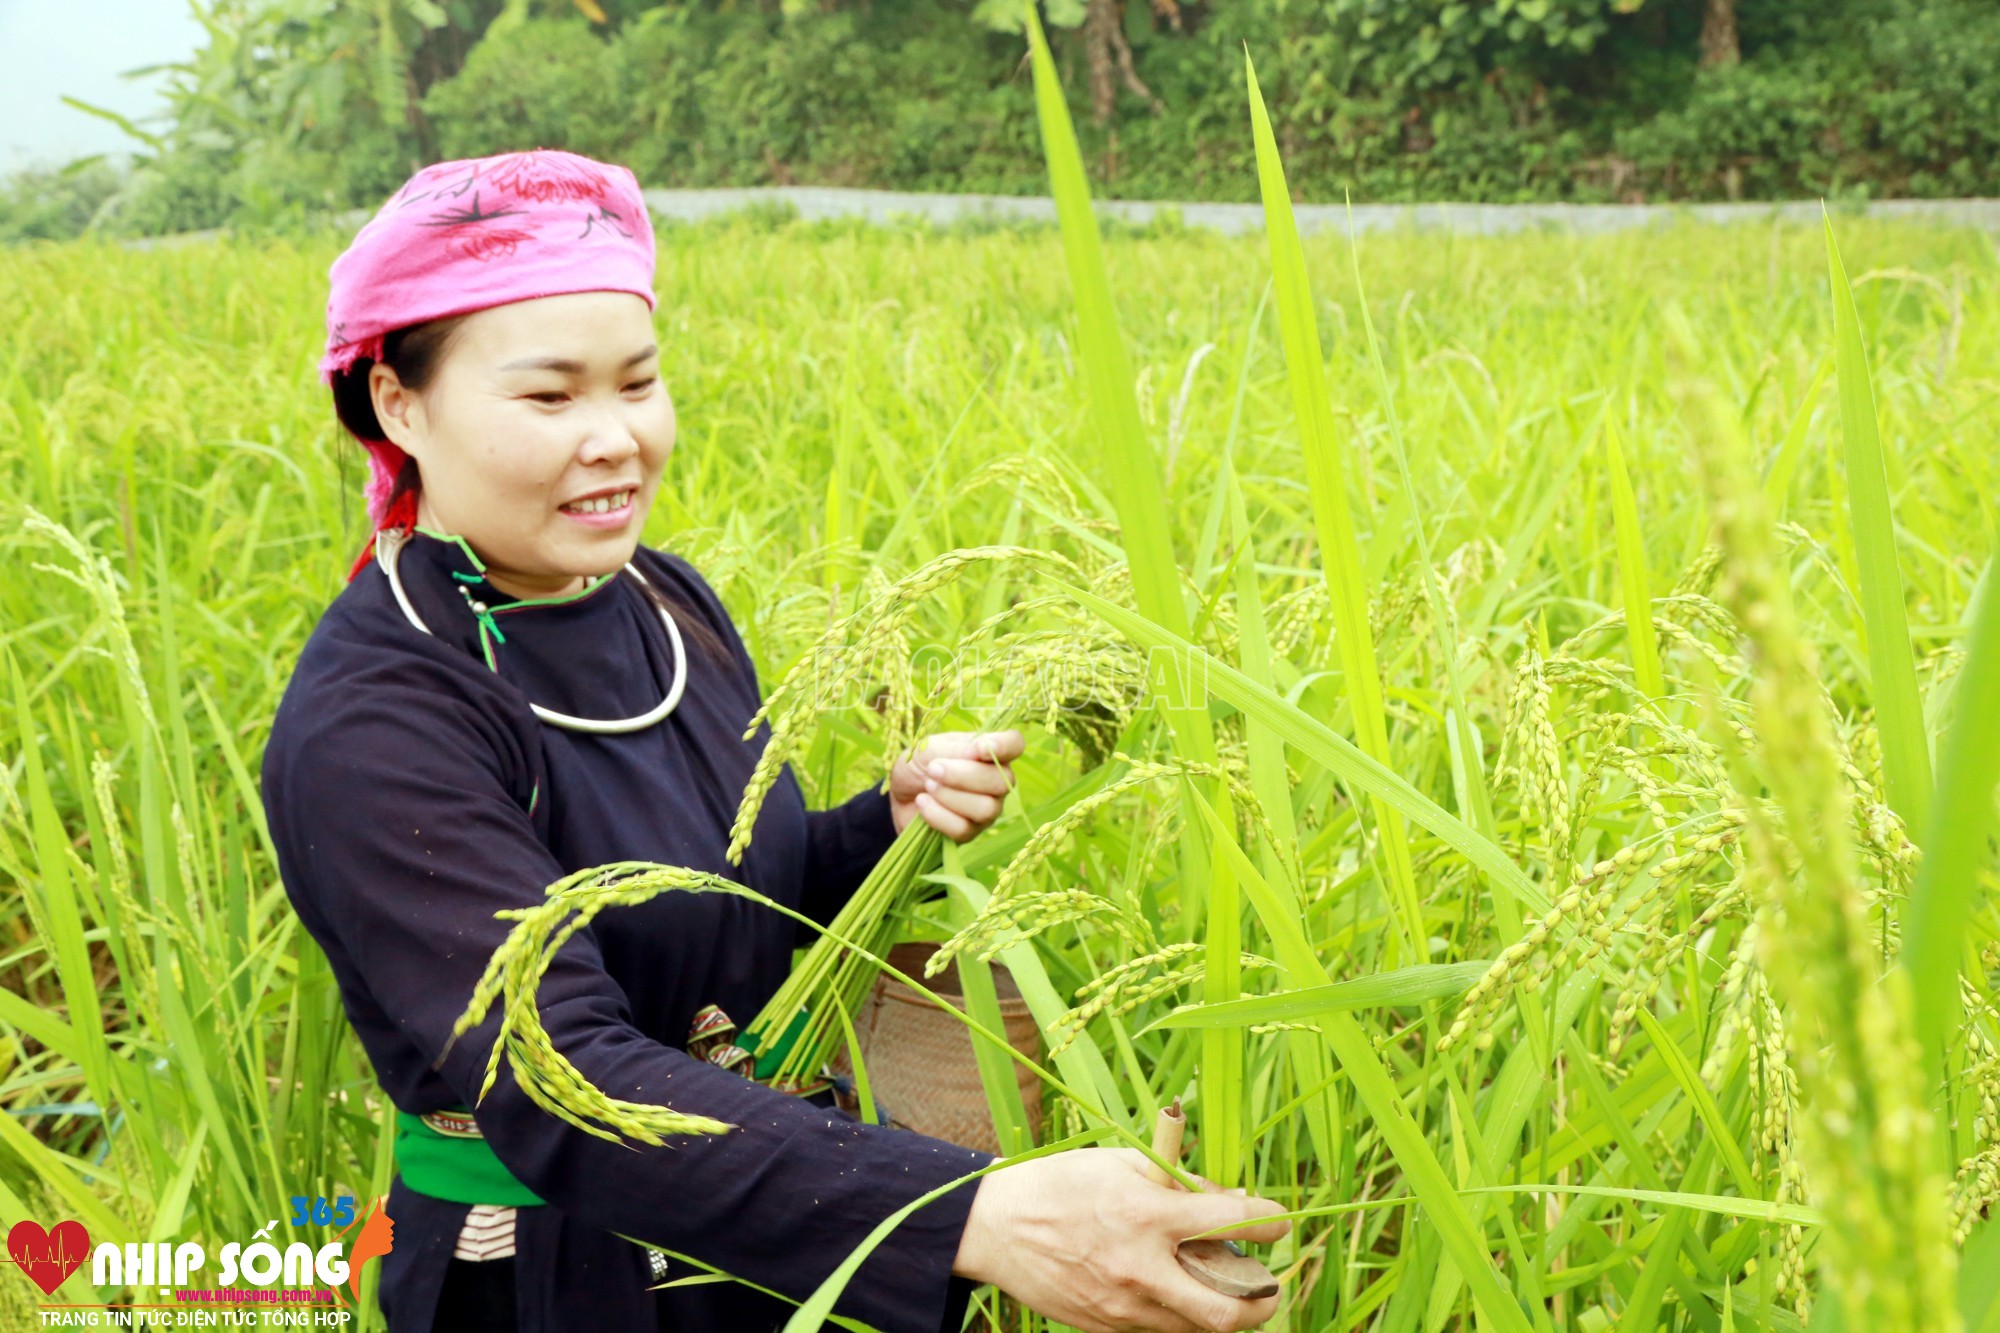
(514,973)
(1867,1134)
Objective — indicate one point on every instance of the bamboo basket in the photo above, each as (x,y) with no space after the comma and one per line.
(921,1067)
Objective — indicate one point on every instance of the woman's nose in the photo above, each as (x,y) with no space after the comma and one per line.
(610,440)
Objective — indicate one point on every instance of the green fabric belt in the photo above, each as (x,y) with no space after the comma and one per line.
(456,1164)
(458,1167)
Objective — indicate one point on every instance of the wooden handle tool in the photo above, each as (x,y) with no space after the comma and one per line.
(1217,1264)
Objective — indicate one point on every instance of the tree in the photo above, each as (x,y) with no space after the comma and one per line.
(1718,35)
(1109,55)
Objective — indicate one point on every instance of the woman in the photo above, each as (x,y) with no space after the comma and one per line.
(512,688)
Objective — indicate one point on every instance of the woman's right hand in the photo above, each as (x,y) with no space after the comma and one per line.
(1087,1238)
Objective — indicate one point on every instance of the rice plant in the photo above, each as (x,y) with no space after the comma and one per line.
(1563,883)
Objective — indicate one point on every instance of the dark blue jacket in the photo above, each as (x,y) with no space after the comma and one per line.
(411,794)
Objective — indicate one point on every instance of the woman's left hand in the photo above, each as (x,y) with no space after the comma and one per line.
(956,780)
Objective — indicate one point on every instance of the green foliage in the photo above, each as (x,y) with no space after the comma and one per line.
(158,407)
(771,93)
(1006,15)
(1405,44)
(544,83)
(1934,104)
(1902,104)
(53,204)
(690,97)
(295,109)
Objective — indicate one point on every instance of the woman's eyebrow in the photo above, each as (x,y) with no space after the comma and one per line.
(566,367)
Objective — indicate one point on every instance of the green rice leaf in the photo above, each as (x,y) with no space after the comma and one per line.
(1899,713)
(708,1274)
(1323,745)
(1405,985)
(996,1070)
(1326,481)
(1633,580)
(1144,524)
(1979,1278)
(1958,845)
(1721,1205)
(32,1020)
(53,1170)
(1136,488)
(864,1096)
(1689,1078)
(1082,1064)
(61,915)
(1778,481)
(173,1204)
(1268,774)
(1351,1045)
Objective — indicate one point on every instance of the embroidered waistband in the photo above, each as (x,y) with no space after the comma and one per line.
(452,1124)
(443,1153)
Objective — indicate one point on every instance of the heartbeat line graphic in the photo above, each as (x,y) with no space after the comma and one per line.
(48,1256)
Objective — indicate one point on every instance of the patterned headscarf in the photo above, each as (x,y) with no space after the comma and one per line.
(467,235)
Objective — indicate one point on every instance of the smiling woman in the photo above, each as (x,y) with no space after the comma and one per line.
(436,393)
(580,698)
(543,438)
(506,699)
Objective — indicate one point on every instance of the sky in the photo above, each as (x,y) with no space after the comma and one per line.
(49,48)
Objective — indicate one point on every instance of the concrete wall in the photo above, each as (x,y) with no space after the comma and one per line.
(813,202)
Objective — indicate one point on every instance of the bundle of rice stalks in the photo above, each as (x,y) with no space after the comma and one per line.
(866,654)
(515,972)
(1072,678)
(791,1040)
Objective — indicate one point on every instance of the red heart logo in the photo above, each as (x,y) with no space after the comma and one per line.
(48,1257)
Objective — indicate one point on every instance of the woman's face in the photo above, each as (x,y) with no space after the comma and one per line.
(541,437)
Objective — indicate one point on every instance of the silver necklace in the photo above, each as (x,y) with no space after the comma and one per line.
(389,549)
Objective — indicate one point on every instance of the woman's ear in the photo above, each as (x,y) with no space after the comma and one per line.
(399,410)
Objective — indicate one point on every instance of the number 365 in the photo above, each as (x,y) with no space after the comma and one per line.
(318,1211)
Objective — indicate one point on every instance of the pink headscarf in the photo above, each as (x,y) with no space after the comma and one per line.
(467,235)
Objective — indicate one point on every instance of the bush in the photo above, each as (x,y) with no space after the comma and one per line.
(1433,99)
(1907,108)
(899,96)
(546,83)
(56,203)
(1764,130)
(1932,116)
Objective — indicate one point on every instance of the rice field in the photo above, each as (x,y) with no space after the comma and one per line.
(1512,724)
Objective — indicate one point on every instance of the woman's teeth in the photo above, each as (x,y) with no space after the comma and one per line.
(603,504)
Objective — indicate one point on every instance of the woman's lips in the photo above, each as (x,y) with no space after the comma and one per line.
(609,518)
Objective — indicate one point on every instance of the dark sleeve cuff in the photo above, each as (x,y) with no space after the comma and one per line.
(907,1282)
(958,1296)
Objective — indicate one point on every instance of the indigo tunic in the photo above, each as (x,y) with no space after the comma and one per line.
(411,794)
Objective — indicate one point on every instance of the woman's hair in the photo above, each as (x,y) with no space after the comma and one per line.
(416,353)
(693,625)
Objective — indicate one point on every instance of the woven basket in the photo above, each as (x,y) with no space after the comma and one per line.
(921,1068)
